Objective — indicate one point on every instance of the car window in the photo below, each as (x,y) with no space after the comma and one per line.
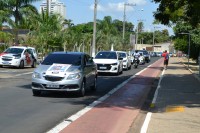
(106,55)
(62,59)
(14,50)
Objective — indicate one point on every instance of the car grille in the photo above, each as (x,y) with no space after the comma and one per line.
(103,66)
(6,59)
(51,78)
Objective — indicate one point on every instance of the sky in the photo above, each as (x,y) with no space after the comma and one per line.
(82,11)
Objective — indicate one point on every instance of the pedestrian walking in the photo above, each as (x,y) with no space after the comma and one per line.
(166,58)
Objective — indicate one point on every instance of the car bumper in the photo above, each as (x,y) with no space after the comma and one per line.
(10,63)
(112,69)
(64,85)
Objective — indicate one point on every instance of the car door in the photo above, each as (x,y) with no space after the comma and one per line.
(89,70)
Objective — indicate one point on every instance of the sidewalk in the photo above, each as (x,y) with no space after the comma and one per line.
(177,106)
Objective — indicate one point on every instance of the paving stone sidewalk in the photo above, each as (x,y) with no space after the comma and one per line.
(177,107)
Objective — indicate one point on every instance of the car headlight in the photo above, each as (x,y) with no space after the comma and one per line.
(114,64)
(36,75)
(74,76)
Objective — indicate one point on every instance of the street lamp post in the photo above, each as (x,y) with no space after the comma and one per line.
(125,4)
(94,29)
(188,46)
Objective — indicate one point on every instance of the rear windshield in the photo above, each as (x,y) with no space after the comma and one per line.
(144,52)
(14,50)
(106,55)
(122,55)
(62,59)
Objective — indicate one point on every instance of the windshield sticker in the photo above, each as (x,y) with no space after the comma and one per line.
(57,70)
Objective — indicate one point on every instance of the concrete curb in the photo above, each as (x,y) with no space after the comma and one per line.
(193,73)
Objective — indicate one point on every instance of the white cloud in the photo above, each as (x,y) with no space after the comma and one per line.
(138,2)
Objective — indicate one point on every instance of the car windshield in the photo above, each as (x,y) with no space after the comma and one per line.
(122,55)
(106,55)
(14,50)
(62,59)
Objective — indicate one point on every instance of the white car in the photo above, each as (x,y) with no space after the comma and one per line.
(126,59)
(19,56)
(109,62)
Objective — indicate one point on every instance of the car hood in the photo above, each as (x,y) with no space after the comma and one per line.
(9,54)
(45,68)
(105,61)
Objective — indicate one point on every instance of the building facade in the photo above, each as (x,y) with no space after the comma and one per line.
(55,7)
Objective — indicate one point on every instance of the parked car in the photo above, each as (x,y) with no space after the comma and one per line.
(65,72)
(19,56)
(146,55)
(109,62)
(126,59)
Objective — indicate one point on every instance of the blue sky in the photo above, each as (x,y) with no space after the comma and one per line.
(81,11)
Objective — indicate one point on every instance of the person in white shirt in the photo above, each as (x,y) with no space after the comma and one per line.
(136,55)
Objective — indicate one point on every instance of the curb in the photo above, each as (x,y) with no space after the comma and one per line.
(195,75)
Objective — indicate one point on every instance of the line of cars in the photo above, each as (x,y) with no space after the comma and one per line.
(66,71)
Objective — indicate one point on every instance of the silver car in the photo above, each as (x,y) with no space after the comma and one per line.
(66,72)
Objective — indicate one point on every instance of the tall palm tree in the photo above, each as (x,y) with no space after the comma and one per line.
(15,9)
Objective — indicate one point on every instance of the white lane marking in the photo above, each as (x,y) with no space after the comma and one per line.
(75,116)
(22,74)
(149,114)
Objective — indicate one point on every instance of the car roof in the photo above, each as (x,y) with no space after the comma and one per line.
(108,51)
(122,51)
(72,53)
(21,47)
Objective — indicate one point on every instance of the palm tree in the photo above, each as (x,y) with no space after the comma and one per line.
(15,9)
(47,31)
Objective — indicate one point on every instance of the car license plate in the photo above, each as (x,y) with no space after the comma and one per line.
(6,63)
(103,68)
(52,86)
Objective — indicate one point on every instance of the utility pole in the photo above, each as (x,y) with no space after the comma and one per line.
(125,4)
(136,40)
(48,6)
(94,29)
(154,36)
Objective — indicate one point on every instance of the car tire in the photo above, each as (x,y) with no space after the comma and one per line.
(81,92)
(94,86)
(34,64)
(1,66)
(36,92)
(21,65)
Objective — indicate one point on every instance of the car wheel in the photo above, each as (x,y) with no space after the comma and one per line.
(81,92)
(34,64)
(21,65)
(36,92)
(1,66)
(94,86)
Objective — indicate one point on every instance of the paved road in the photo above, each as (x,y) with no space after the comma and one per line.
(21,112)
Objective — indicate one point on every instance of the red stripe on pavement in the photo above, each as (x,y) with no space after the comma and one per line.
(116,114)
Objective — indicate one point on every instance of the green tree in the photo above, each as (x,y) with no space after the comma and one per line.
(15,9)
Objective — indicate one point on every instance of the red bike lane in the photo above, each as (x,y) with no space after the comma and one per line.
(116,113)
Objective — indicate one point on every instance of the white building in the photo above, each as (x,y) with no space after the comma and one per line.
(55,7)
